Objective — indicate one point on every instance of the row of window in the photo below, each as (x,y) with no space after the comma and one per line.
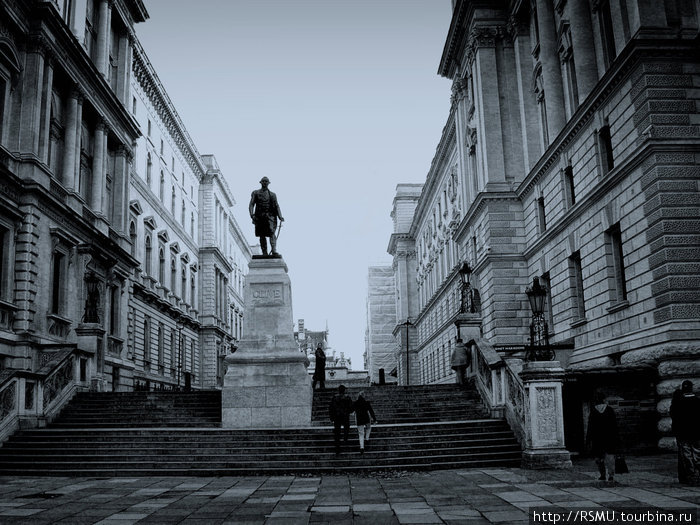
(173,197)
(606,163)
(182,356)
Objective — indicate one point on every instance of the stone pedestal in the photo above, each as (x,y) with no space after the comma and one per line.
(544,416)
(266,383)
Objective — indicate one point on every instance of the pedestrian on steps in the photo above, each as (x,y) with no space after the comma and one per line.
(320,368)
(363,412)
(460,361)
(339,412)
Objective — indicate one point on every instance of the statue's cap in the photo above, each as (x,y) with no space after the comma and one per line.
(264,179)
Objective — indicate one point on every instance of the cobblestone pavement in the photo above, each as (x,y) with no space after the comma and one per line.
(471,497)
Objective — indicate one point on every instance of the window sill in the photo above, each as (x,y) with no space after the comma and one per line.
(578,322)
(618,306)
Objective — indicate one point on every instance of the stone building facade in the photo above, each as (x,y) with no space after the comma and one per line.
(380,351)
(117,244)
(571,155)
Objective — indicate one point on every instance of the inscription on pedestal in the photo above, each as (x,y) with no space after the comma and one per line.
(267,294)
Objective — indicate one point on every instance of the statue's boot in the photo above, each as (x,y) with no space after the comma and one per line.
(263,245)
(273,244)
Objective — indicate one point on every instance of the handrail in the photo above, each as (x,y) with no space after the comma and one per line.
(499,384)
(32,397)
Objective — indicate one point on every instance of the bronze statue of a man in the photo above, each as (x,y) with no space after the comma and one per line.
(264,210)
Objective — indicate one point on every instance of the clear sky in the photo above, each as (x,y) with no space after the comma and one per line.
(336,101)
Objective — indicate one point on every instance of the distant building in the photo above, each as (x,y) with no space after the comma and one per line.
(380,351)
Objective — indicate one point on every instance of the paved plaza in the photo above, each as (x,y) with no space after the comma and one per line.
(472,497)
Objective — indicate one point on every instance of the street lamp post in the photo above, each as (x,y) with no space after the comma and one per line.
(467,303)
(538,349)
(407,323)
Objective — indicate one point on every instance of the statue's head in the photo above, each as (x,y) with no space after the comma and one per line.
(264,181)
(687,386)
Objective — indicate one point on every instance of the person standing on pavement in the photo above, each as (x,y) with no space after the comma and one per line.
(685,416)
(602,436)
(363,412)
(339,411)
(320,368)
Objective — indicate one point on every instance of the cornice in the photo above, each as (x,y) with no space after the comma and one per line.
(394,241)
(147,77)
(481,200)
(455,39)
(444,148)
(216,252)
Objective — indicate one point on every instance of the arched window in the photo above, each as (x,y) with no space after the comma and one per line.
(172,201)
(132,237)
(161,190)
(161,266)
(192,225)
(182,213)
(148,263)
(149,169)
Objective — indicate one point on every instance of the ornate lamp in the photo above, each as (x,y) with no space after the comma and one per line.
(539,349)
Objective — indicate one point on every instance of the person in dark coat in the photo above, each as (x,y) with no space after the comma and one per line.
(363,413)
(685,416)
(320,368)
(603,437)
(459,361)
(339,411)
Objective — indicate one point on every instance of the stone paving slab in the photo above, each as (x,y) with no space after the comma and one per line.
(460,496)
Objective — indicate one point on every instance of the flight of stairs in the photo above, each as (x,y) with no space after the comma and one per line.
(177,433)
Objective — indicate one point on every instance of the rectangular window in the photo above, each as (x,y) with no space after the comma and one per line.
(162,147)
(576,282)
(541,218)
(614,242)
(606,32)
(605,150)
(114,310)
(57,284)
(569,188)
(571,87)
(3,94)
(150,127)
(147,342)
(133,105)
(161,347)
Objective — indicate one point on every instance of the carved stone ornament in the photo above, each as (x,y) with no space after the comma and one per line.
(516,27)
(483,36)
(546,414)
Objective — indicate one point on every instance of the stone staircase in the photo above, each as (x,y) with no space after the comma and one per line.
(176,433)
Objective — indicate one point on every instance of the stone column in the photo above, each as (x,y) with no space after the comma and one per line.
(78,133)
(551,69)
(584,51)
(70,135)
(121,188)
(487,92)
(529,117)
(544,416)
(98,168)
(45,130)
(33,79)
(103,37)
